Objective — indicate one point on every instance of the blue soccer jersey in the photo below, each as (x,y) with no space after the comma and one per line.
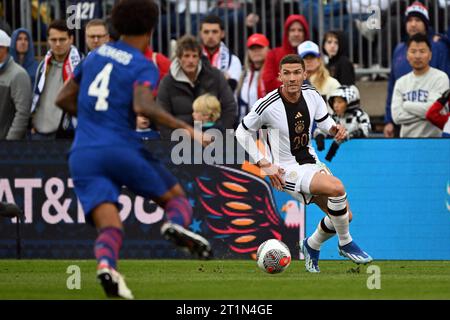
(107,152)
(105,103)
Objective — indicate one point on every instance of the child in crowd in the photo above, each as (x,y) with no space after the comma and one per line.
(345,102)
(145,130)
(206,108)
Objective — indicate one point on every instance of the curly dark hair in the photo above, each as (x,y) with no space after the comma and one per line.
(113,34)
(135,17)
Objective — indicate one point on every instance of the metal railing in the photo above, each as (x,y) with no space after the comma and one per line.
(178,17)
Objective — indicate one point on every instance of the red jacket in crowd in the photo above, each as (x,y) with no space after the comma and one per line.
(161,62)
(274,56)
(435,116)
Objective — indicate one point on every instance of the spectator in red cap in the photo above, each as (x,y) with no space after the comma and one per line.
(296,30)
(250,86)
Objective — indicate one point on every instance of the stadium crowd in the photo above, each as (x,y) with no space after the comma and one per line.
(204,66)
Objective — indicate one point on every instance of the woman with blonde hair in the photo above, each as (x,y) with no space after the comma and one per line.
(318,75)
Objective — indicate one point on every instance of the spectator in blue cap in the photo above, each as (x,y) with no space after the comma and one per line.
(317,73)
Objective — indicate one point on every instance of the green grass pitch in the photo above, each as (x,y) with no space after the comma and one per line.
(228,280)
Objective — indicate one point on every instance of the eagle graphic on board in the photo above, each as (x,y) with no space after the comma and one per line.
(239,208)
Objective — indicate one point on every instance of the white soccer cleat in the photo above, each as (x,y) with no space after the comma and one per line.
(311,257)
(113,283)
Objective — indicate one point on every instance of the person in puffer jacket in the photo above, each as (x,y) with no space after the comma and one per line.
(345,102)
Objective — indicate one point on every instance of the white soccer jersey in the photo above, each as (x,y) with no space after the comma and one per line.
(288,126)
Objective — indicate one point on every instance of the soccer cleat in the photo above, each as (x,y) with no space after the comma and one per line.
(354,253)
(113,283)
(181,237)
(311,257)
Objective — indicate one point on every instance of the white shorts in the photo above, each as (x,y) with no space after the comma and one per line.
(298,179)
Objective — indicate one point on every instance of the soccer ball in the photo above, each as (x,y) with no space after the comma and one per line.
(273,256)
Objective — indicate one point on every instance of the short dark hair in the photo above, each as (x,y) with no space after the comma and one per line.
(418,37)
(135,17)
(292,58)
(188,42)
(60,25)
(212,19)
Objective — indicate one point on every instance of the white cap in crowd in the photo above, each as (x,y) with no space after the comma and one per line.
(308,48)
(5,40)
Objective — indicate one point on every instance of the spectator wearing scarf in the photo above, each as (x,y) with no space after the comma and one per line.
(48,121)
(218,54)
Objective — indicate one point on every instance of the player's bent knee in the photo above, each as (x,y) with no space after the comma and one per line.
(338,189)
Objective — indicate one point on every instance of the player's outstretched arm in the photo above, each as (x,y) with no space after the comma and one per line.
(144,104)
(68,96)
(247,141)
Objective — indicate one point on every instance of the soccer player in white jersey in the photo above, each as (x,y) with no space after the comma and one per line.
(288,114)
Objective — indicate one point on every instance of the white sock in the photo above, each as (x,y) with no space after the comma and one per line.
(337,207)
(328,223)
(341,225)
(319,236)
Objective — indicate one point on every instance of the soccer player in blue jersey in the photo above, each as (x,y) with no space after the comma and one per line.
(107,91)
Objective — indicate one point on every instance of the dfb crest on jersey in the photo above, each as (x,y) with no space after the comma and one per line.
(299,126)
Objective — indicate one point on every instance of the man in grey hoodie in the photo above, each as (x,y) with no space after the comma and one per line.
(15,94)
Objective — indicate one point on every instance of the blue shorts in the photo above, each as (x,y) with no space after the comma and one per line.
(99,173)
